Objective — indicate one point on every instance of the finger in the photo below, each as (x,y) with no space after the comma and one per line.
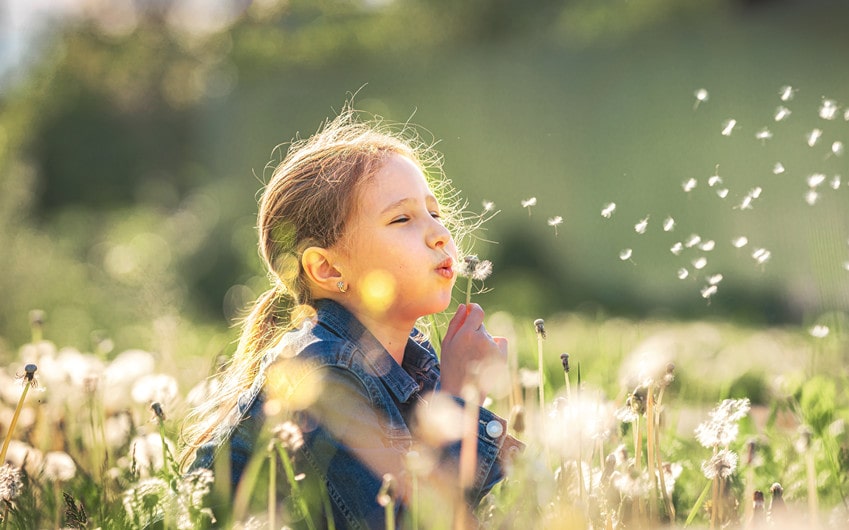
(474,318)
(501,342)
(456,321)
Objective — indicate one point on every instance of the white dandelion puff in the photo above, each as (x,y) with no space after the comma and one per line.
(811,197)
(689,185)
(676,248)
(813,137)
(819,331)
(625,254)
(58,466)
(761,255)
(722,465)
(682,273)
(642,225)
(708,291)
(763,134)
(668,224)
(740,242)
(708,245)
(728,126)
(837,148)
(702,95)
(607,211)
(815,179)
(554,222)
(714,279)
(527,203)
(11,484)
(828,109)
(778,168)
(693,240)
(700,263)
(835,182)
(782,113)
(786,93)
(722,426)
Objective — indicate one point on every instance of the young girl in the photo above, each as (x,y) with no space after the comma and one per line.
(358,249)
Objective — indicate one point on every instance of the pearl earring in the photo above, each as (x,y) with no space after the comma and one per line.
(342,287)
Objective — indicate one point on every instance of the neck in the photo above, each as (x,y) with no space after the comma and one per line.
(393,335)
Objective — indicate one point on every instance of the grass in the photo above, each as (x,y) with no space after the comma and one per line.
(617,450)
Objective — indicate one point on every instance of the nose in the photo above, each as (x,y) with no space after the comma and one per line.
(438,236)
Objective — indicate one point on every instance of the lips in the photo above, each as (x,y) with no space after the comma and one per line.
(446,268)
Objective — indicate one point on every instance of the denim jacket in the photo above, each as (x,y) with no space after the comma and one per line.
(358,421)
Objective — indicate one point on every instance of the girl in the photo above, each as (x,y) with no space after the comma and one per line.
(358,249)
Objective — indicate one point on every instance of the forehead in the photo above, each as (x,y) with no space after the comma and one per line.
(399,178)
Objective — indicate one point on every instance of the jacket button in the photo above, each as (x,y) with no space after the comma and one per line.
(494,429)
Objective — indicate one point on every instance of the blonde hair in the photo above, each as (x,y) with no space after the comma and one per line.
(307,202)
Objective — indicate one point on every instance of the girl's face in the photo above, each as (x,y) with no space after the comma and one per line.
(396,255)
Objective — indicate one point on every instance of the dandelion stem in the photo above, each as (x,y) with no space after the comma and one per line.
(813,503)
(272,490)
(28,379)
(297,495)
(650,448)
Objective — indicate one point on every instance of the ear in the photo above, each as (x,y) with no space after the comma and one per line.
(318,264)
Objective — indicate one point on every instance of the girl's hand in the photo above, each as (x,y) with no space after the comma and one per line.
(466,348)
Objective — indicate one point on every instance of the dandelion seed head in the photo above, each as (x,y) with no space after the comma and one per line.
(708,245)
(289,435)
(763,134)
(721,465)
(782,113)
(641,226)
(539,327)
(682,273)
(740,242)
(778,168)
(813,137)
(728,126)
(58,466)
(689,185)
(761,255)
(828,109)
(159,388)
(819,331)
(699,263)
(722,426)
(528,378)
(837,148)
(811,197)
(676,248)
(607,211)
(668,224)
(786,93)
(625,254)
(722,193)
(10,482)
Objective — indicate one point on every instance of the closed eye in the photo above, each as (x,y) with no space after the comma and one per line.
(400,219)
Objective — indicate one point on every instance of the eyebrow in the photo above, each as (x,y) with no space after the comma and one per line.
(406,200)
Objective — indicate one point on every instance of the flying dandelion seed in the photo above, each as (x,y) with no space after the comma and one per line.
(527,203)
(554,222)
(828,109)
(813,137)
(740,242)
(701,97)
(668,224)
(763,135)
(682,273)
(607,211)
(811,197)
(815,179)
(728,126)
(846,115)
(786,93)
(625,254)
(746,203)
(778,168)
(714,279)
(693,240)
(708,245)
(756,192)
(714,180)
(761,255)
(677,248)
(835,182)
(699,263)
(846,265)
(722,193)
(837,148)
(488,205)
(640,227)
(819,331)
(708,291)
(689,185)
(782,113)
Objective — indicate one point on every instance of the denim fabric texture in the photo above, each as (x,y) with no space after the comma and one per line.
(360,420)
